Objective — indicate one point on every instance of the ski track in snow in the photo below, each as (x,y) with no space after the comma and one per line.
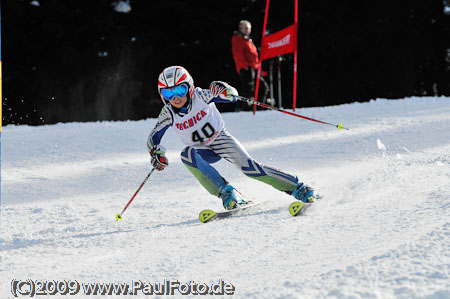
(382,229)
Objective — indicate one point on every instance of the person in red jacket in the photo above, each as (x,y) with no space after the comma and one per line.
(246,59)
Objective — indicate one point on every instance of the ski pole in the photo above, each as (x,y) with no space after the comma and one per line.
(243,99)
(119,216)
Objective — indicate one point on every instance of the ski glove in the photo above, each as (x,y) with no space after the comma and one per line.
(159,160)
(223,90)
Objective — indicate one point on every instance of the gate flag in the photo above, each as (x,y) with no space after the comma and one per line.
(276,44)
(279,43)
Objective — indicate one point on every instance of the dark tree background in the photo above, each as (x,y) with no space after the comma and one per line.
(80,60)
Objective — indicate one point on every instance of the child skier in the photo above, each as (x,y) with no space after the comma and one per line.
(193,115)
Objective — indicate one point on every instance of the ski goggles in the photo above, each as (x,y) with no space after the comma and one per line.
(174,92)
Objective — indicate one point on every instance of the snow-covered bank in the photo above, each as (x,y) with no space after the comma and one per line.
(381,231)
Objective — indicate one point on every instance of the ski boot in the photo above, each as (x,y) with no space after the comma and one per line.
(304,193)
(231,198)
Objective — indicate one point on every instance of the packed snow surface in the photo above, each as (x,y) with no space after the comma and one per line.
(382,229)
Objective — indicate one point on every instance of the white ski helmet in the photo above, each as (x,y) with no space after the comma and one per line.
(173,76)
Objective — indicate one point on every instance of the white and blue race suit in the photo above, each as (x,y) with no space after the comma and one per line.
(203,130)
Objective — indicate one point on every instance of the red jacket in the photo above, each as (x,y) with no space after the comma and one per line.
(245,53)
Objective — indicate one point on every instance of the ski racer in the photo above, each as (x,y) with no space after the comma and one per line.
(192,113)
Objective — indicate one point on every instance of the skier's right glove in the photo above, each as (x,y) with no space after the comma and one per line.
(159,160)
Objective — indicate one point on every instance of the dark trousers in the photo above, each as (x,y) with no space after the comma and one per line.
(247,80)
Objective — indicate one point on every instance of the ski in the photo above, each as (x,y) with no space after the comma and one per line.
(210,215)
(295,209)
(298,207)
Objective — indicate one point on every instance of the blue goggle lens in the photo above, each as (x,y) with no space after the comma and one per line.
(174,92)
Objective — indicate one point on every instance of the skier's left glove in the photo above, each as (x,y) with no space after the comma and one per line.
(223,90)
(159,160)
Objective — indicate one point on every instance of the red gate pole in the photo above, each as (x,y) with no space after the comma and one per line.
(260,62)
(294,100)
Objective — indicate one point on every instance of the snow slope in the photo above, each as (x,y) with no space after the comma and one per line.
(381,231)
